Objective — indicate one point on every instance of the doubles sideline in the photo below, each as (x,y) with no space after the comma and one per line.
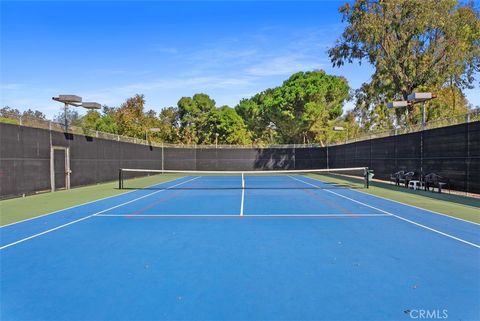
(86,203)
(394,215)
(94,214)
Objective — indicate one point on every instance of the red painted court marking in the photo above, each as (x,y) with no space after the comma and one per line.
(330,203)
(153,204)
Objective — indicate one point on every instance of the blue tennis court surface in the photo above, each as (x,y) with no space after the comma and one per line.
(183,250)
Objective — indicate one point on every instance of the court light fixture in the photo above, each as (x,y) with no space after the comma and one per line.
(153,129)
(398,104)
(216,139)
(68,99)
(420,97)
(341,129)
(76,101)
(91,105)
(414,98)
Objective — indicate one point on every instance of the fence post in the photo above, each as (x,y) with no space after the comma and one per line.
(467,163)
(163,158)
(421,155)
(294,157)
(328,161)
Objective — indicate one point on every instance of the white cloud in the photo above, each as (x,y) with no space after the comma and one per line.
(283,65)
(227,69)
(11,87)
(166,91)
(261,55)
(166,50)
(185,82)
(221,54)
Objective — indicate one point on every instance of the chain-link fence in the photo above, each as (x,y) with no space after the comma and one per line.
(26,156)
(471,116)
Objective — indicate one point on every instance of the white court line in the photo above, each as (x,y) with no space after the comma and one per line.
(235,215)
(314,215)
(86,203)
(242,201)
(94,214)
(166,215)
(399,217)
(405,204)
(423,209)
(361,203)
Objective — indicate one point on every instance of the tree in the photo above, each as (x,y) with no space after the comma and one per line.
(200,121)
(371,109)
(108,123)
(229,126)
(130,118)
(252,112)
(193,113)
(9,115)
(91,120)
(412,44)
(9,112)
(299,111)
(169,125)
(450,102)
(104,122)
(34,114)
(73,117)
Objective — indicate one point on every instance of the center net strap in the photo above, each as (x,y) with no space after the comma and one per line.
(356,177)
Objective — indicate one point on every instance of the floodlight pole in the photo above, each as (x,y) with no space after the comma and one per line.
(65,116)
(412,99)
(328,162)
(154,129)
(423,115)
(341,129)
(76,101)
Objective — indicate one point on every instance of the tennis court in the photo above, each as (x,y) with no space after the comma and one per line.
(263,247)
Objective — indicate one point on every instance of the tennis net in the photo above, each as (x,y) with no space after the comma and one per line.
(357,177)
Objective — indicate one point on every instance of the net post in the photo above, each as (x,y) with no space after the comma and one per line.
(120,179)
(243,180)
(367,177)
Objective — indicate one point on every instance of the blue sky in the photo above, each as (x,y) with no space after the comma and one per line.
(109,51)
